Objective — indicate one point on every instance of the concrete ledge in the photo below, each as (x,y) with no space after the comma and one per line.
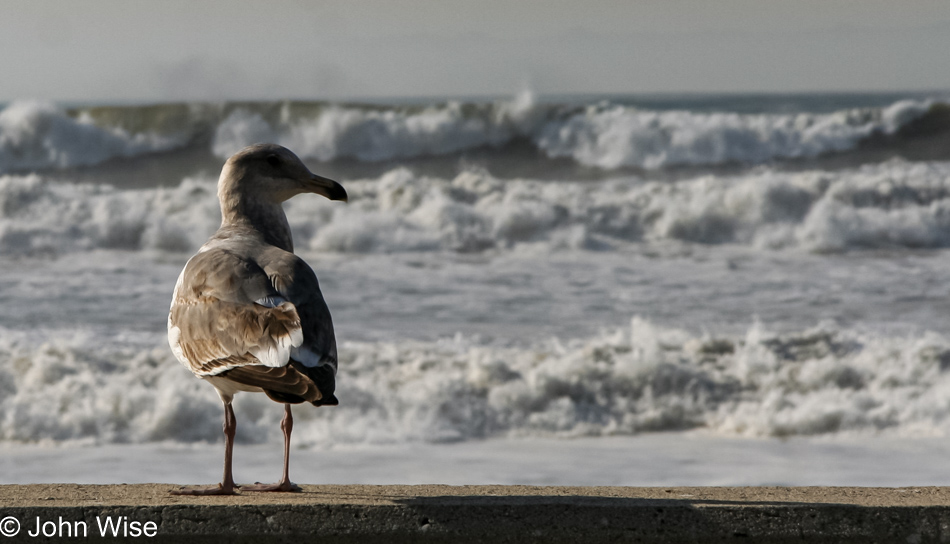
(432,513)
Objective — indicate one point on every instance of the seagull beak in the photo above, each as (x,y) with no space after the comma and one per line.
(327,187)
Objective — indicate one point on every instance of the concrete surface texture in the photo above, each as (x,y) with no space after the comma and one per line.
(435,513)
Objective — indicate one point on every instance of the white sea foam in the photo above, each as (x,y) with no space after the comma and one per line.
(606,136)
(38,135)
(894,204)
(635,379)
(38,216)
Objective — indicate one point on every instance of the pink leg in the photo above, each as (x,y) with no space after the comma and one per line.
(226,487)
(286,425)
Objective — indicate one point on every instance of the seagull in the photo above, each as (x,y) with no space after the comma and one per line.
(247,314)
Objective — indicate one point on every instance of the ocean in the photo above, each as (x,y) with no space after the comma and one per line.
(626,290)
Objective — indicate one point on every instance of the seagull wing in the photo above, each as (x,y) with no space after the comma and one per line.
(225,314)
(259,322)
(315,356)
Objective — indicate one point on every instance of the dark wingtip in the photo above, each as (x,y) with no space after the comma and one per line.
(328,400)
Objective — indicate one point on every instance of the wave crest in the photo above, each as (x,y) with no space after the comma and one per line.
(373,135)
(605,135)
(37,135)
(600,135)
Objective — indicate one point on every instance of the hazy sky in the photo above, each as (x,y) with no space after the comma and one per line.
(166,50)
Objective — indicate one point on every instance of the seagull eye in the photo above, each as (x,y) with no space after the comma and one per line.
(273,160)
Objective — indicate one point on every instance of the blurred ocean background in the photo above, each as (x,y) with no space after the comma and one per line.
(633,289)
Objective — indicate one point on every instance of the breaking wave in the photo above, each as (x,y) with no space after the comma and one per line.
(602,134)
(895,204)
(617,136)
(383,134)
(37,136)
(636,379)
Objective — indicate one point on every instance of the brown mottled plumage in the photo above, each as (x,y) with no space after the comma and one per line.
(247,314)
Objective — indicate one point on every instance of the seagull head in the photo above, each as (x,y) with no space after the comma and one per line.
(273,172)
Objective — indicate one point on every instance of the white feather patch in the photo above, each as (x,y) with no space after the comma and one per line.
(279,354)
(296,337)
(174,341)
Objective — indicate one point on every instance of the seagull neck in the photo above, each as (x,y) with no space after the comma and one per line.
(266,219)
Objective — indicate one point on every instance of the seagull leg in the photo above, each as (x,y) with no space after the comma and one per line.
(286,425)
(226,487)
